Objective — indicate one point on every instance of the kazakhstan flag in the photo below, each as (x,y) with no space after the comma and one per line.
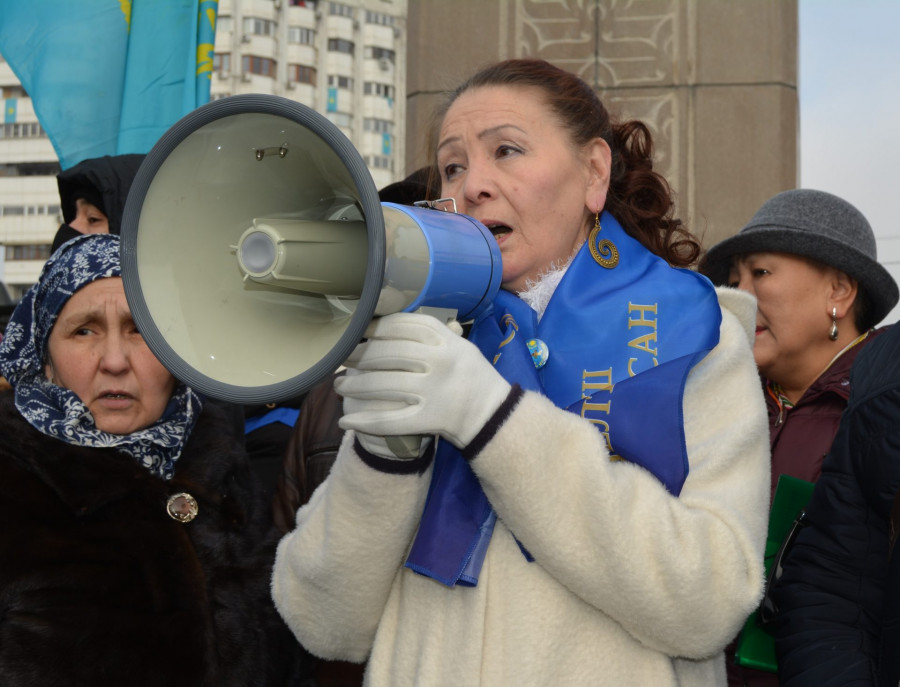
(11,110)
(109,77)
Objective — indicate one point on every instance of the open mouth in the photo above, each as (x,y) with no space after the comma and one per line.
(499,230)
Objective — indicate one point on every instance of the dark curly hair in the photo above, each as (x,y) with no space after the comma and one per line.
(638,197)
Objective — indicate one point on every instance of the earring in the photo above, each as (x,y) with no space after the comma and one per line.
(833,332)
(603,251)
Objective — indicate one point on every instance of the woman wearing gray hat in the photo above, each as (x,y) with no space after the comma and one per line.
(809,258)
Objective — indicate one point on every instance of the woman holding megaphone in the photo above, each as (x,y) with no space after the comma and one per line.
(592,507)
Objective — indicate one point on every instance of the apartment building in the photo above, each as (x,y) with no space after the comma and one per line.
(346,60)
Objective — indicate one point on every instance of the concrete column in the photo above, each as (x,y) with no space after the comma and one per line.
(716,82)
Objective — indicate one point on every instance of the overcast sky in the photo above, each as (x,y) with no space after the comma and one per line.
(850,111)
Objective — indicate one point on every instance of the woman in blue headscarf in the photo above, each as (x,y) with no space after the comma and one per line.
(134,545)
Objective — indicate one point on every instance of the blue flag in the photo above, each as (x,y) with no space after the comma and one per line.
(109,77)
(11,109)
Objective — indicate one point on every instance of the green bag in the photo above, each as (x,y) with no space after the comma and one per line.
(756,646)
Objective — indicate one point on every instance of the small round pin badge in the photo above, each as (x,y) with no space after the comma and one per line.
(539,352)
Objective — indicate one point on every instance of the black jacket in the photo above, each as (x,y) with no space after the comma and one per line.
(835,614)
(100,586)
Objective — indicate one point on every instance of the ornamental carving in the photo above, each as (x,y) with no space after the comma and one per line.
(608,43)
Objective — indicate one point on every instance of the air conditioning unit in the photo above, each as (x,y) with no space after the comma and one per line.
(245,38)
(384,63)
(245,78)
(224,75)
(291,85)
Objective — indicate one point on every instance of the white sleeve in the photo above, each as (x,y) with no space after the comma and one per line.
(333,573)
(680,574)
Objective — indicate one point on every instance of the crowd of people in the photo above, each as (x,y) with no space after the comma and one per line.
(593,458)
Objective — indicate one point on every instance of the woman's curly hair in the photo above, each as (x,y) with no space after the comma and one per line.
(638,197)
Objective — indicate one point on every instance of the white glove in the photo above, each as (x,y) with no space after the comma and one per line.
(416,376)
(404,447)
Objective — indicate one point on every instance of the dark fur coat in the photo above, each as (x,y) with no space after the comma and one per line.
(99,586)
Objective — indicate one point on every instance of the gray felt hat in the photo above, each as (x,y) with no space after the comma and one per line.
(816,225)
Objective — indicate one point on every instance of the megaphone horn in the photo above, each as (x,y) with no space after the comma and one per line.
(255,251)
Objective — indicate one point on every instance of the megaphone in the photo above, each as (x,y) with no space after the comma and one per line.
(255,251)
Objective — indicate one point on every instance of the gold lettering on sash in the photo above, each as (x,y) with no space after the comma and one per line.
(643,316)
(632,361)
(594,408)
(604,385)
(642,311)
(643,343)
(593,384)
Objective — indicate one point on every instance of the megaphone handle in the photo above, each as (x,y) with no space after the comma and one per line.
(406,446)
(445,315)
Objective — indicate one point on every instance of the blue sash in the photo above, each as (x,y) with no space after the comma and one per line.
(622,336)
(284,415)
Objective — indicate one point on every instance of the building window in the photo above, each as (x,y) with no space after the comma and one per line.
(259,27)
(258,65)
(378,126)
(25,210)
(224,24)
(338,9)
(311,4)
(30,252)
(222,62)
(340,45)
(373,52)
(22,130)
(382,89)
(299,34)
(302,74)
(335,81)
(340,119)
(378,161)
(379,18)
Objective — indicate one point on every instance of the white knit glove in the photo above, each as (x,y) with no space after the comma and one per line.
(416,376)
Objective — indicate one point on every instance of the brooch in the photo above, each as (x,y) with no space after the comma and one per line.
(182,507)
(539,352)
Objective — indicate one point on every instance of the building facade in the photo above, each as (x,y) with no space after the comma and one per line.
(346,60)
(716,82)
(29,200)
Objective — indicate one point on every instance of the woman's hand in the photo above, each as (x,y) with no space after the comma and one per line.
(416,376)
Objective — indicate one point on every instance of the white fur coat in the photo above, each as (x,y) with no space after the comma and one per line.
(630,585)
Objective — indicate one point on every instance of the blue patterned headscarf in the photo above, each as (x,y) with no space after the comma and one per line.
(58,412)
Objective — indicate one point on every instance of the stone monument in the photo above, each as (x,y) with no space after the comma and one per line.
(715,80)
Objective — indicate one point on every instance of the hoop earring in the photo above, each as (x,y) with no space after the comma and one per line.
(833,332)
